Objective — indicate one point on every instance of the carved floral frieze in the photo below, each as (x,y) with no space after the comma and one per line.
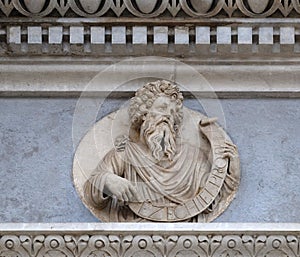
(151,8)
(92,245)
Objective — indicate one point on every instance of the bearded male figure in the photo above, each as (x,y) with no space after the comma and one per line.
(152,176)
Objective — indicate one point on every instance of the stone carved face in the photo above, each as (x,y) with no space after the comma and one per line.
(156,112)
(145,97)
(159,129)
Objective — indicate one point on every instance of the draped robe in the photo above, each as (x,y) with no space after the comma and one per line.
(163,183)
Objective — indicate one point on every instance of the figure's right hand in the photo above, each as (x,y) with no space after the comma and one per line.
(122,188)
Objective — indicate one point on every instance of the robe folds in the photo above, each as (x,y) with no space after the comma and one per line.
(167,182)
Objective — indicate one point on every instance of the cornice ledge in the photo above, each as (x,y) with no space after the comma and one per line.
(52,77)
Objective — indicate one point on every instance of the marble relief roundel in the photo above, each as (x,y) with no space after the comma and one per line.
(156,160)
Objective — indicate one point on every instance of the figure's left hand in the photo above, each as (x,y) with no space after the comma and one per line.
(230,152)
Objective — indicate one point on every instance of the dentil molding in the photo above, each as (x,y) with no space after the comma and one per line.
(175,28)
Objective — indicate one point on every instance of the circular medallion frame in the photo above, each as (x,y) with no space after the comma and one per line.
(100,139)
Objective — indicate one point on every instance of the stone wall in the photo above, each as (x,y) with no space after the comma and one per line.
(37,151)
(241,55)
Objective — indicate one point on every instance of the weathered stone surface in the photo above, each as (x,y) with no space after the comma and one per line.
(36,159)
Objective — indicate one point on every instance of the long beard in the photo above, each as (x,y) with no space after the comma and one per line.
(160,137)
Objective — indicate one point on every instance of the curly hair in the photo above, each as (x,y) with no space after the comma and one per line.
(145,97)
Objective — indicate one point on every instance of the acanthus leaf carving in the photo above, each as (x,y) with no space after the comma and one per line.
(215,243)
(118,7)
(6,6)
(143,246)
(115,243)
(232,246)
(171,242)
(32,244)
(230,7)
(38,242)
(62,6)
(276,246)
(126,242)
(260,243)
(55,245)
(157,244)
(27,244)
(187,246)
(296,5)
(174,7)
(293,244)
(286,8)
(76,244)
(248,242)
(99,245)
(204,243)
